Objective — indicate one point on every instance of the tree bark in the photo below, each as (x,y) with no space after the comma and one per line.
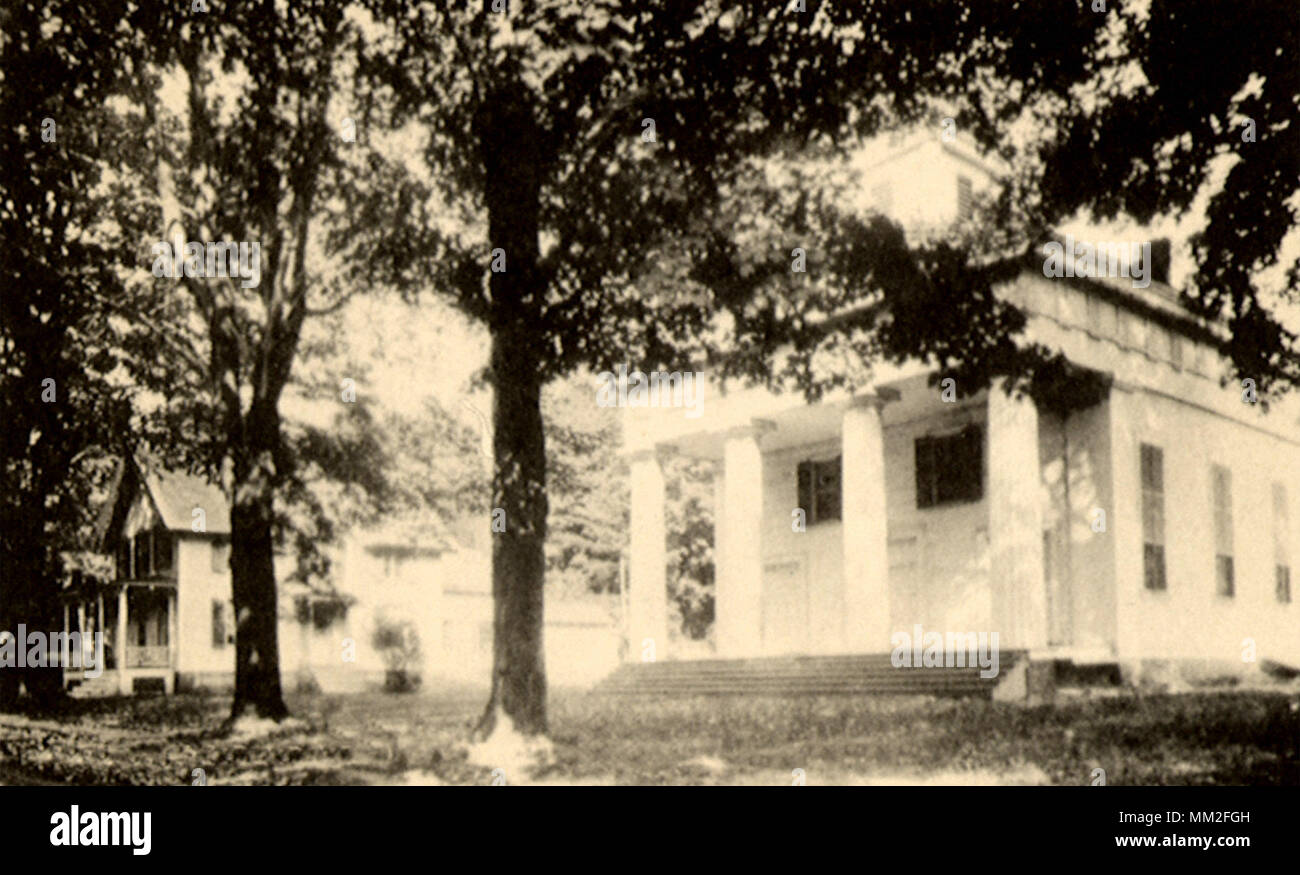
(252,567)
(509,138)
(29,566)
(518,556)
(31,599)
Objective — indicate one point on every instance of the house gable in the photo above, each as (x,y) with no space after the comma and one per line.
(142,497)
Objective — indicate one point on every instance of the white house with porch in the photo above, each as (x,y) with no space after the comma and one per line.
(170,584)
(1154,519)
(169,625)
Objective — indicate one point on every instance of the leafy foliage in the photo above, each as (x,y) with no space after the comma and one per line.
(1194,101)
(588,507)
(67,225)
(690,523)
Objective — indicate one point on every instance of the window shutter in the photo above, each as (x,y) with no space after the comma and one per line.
(965,198)
(950,468)
(140,568)
(829,485)
(220,557)
(1152,467)
(806,489)
(924,472)
(218,623)
(164,554)
(973,464)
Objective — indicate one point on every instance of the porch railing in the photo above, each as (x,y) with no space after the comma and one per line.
(148,657)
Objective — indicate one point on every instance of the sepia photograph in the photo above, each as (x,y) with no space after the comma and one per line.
(623,393)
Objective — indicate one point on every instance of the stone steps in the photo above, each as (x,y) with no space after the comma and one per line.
(866,674)
(104,685)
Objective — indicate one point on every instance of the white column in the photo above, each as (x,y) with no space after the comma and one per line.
(173,629)
(122,685)
(169,680)
(738,599)
(86,640)
(865,528)
(1015,508)
(648,572)
(719,550)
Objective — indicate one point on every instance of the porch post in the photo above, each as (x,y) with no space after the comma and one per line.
(648,572)
(85,640)
(173,631)
(67,629)
(1015,507)
(738,597)
(120,649)
(865,528)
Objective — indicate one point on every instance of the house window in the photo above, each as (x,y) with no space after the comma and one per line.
(220,624)
(143,567)
(965,198)
(1225,584)
(1281,551)
(163,552)
(1153,517)
(950,468)
(819,490)
(220,557)
(124,560)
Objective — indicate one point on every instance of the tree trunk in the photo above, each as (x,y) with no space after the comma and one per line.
(509,138)
(518,557)
(29,596)
(252,566)
(44,685)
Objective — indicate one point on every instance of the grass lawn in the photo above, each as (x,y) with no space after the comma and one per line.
(1228,737)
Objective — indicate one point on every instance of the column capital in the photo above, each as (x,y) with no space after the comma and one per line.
(877,398)
(659,453)
(755,428)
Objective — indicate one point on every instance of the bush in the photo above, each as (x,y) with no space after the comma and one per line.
(398,644)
